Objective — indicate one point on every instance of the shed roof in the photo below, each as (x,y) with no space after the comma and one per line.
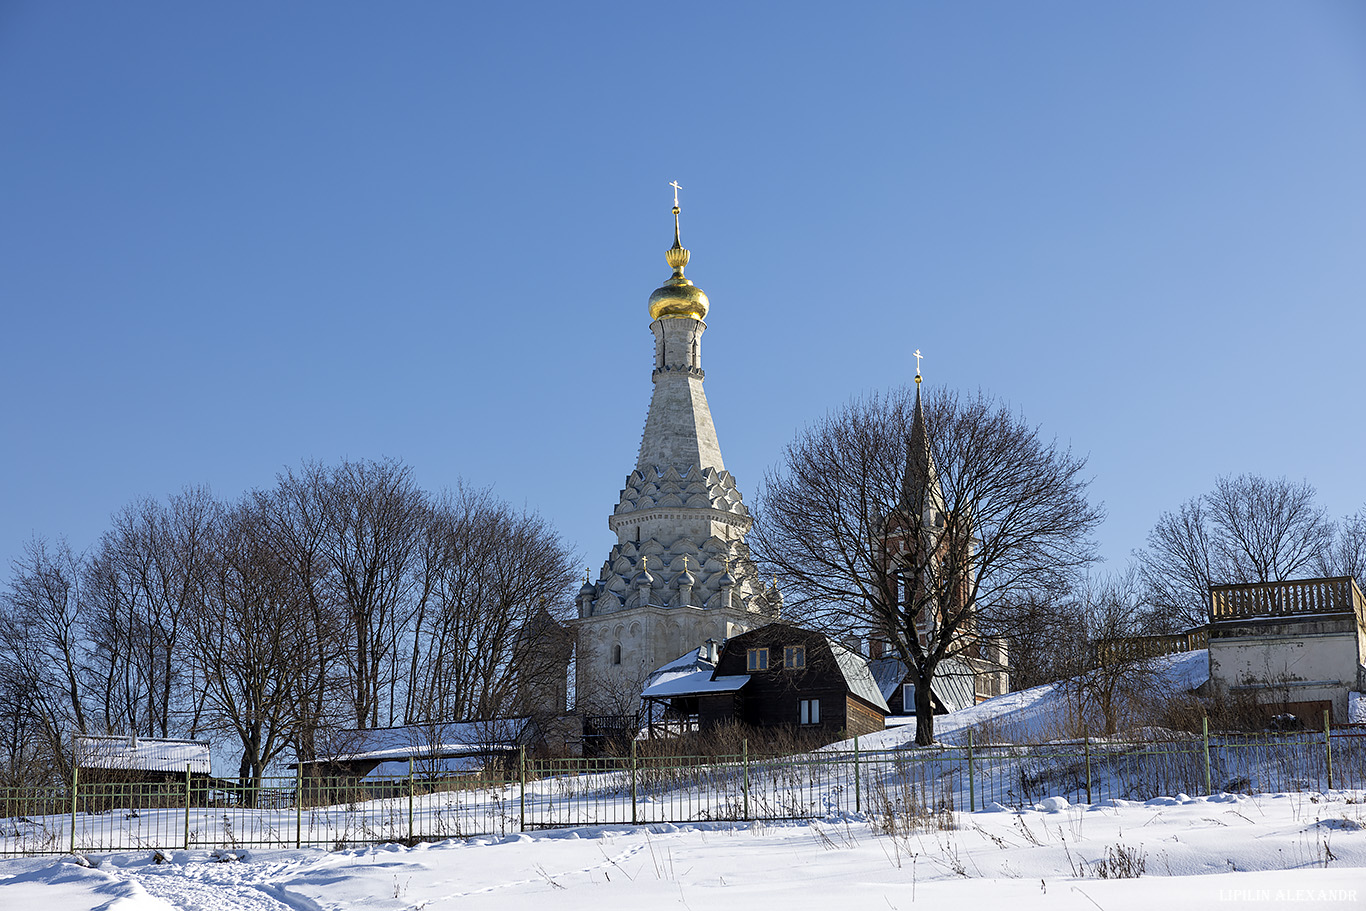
(427,741)
(698,683)
(142,754)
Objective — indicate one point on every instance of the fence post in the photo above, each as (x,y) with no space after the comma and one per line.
(1086,742)
(521,774)
(633,782)
(1205,727)
(75,777)
(410,800)
(298,801)
(1328,747)
(187,806)
(972,780)
(744,759)
(858,801)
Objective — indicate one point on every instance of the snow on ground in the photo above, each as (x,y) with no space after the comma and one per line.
(1299,850)
(1027,716)
(1293,851)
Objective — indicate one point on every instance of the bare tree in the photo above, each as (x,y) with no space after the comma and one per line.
(43,654)
(1347,555)
(291,517)
(253,641)
(1110,674)
(147,573)
(920,528)
(366,520)
(499,582)
(1248,529)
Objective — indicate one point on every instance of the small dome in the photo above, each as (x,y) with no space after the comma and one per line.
(678,298)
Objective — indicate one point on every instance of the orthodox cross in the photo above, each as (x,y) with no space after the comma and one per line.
(918,355)
(676,187)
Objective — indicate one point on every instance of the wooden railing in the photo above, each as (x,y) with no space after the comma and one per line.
(1130,648)
(1296,598)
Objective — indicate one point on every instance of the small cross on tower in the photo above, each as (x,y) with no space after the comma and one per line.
(676,187)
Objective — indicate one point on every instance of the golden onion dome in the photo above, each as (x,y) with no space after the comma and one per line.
(678,298)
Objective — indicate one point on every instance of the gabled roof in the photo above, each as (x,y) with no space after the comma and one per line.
(857,676)
(954,685)
(142,754)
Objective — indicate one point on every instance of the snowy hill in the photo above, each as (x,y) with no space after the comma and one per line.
(1029,715)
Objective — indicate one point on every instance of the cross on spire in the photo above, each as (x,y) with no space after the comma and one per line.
(676,187)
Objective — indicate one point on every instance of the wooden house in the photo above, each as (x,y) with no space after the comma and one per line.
(778,675)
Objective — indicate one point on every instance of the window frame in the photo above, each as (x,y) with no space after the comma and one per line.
(809,711)
(794,657)
(756,660)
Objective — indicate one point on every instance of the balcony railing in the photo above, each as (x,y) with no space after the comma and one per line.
(1132,648)
(1302,597)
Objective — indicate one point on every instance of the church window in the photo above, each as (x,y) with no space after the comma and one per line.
(758,659)
(810,711)
(794,656)
(616,653)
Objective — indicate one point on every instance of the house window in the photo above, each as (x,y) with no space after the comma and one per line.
(908,698)
(810,711)
(758,659)
(616,654)
(794,656)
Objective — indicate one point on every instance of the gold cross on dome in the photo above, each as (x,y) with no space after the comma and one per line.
(676,187)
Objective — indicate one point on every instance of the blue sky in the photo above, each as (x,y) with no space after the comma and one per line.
(237,236)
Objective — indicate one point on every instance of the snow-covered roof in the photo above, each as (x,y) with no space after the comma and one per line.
(698,683)
(693,662)
(142,754)
(419,741)
(858,677)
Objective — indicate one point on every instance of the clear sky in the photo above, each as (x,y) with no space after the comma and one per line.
(235,236)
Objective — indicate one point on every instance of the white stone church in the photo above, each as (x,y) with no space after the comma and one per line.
(680,573)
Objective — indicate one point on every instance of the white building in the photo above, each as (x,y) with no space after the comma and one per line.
(1294,647)
(680,572)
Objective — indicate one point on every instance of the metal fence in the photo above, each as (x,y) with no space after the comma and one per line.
(637,789)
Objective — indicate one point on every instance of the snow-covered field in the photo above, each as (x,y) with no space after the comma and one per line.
(1292,851)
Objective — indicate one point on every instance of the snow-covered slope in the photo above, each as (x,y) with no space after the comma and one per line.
(1032,714)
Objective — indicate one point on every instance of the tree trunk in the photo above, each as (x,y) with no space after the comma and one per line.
(924,712)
